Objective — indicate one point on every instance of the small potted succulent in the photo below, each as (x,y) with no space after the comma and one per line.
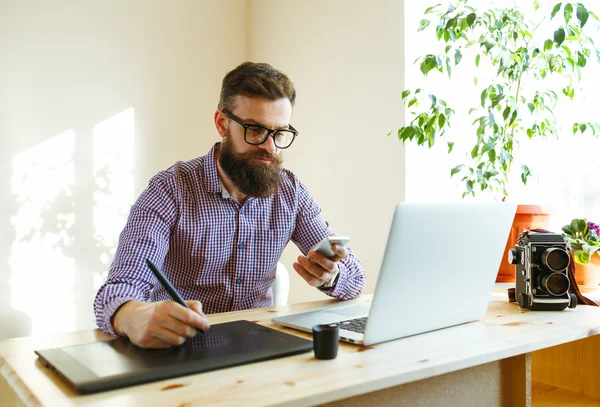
(583,236)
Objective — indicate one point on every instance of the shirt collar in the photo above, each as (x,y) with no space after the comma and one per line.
(213,182)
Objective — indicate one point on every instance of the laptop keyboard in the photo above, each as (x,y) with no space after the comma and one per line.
(354,325)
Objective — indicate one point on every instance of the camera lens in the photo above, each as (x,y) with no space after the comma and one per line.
(555,259)
(557,284)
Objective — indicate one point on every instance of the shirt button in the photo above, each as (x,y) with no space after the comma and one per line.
(241,246)
(238,281)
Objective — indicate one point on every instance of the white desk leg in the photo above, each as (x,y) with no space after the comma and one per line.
(505,383)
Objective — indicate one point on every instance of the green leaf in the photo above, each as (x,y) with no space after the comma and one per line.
(492,155)
(581,61)
(413,101)
(487,147)
(506,112)
(441,121)
(582,127)
(575,127)
(405,133)
(579,225)
(525,174)
(456,169)
(559,36)
(450,146)
(531,107)
(497,99)
(483,97)
(430,9)
(423,25)
(452,34)
(474,151)
(568,12)
(548,45)
(405,94)
(477,58)
(471,19)
(582,15)
(488,45)
(569,92)
(457,57)
(555,10)
(582,257)
(429,63)
(433,100)
(470,187)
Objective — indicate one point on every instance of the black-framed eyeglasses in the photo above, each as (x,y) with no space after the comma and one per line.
(256,134)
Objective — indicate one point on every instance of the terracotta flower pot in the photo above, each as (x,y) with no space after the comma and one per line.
(528,217)
(588,274)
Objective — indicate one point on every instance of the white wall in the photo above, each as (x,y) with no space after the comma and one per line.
(96,97)
(65,67)
(345,58)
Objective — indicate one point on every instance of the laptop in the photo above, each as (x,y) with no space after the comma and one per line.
(438,270)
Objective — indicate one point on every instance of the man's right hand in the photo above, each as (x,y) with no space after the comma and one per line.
(159,324)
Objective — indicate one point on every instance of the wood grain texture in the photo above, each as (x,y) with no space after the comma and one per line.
(551,396)
(573,366)
(504,332)
(516,391)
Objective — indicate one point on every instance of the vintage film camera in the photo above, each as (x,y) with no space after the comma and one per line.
(542,260)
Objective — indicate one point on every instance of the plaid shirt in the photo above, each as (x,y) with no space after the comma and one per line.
(212,248)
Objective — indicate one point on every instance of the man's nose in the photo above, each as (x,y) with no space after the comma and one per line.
(269,144)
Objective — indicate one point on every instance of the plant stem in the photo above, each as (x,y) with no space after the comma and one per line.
(512,133)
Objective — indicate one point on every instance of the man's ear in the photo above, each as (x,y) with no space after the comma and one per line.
(221,122)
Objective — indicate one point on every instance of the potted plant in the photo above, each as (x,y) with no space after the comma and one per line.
(533,71)
(583,237)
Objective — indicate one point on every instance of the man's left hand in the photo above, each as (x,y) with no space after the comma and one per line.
(321,269)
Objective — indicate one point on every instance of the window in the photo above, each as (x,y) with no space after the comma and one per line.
(566,171)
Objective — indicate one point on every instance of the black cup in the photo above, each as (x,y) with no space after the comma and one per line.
(326,340)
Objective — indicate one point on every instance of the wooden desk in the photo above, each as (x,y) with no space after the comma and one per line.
(485,363)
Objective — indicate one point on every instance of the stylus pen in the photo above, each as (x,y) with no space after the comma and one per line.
(168,286)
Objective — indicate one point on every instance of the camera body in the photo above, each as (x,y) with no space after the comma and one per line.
(542,280)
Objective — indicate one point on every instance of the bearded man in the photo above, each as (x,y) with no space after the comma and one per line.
(218,224)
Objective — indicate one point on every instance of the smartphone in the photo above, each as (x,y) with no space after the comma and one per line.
(324,246)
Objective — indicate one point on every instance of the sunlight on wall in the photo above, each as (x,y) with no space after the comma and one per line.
(113,177)
(43,273)
(54,271)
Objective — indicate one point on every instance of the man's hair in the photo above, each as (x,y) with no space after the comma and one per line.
(253,79)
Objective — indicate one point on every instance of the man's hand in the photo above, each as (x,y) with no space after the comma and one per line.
(321,269)
(159,324)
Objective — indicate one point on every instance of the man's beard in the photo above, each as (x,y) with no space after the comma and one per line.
(251,177)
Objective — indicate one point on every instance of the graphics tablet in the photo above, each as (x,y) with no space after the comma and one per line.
(118,363)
